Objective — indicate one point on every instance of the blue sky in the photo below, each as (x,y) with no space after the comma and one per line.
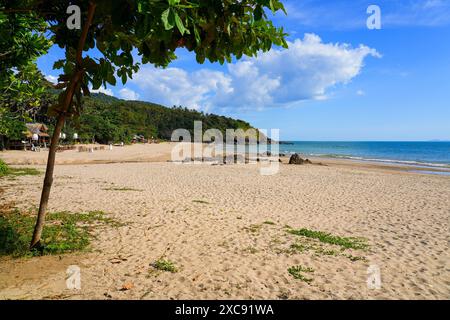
(337,81)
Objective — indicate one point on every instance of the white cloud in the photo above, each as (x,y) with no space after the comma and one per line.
(174,86)
(309,67)
(360,93)
(128,94)
(52,79)
(305,71)
(108,92)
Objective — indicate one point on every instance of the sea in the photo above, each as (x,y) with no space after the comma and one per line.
(418,154)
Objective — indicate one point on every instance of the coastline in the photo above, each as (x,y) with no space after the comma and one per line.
(425,154)
(143,153)
(379,165)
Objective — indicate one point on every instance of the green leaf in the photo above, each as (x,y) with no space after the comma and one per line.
(271,5)
(258,13)
(197,36)
(180,24)
(59,64)
(167,19)
(111,79)
(124,78)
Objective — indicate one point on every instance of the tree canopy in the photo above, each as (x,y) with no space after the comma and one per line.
(215,30)
(22,40)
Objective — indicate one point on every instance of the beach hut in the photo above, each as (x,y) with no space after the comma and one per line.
(37,133)
(138,139)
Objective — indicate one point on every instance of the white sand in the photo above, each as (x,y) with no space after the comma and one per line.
(133,153)
(404,217)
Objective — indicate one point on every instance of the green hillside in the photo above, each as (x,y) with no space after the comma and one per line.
(108,119)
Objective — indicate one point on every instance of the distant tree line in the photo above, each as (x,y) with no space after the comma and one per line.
(106,119)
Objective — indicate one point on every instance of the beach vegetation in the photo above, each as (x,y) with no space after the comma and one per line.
(22,41)
(164,265)
(299,247)
(65,232)
(324,237)
(6,170)
(3,168)
(325,252)
(298,273)
(269,222)
(320,250)
(24,172)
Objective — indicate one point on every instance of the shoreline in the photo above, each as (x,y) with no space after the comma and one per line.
(409,163)
(160,153)
(369,164)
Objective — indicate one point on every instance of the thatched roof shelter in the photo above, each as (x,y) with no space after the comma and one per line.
(36,128)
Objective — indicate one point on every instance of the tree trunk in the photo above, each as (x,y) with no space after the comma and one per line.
(64,108)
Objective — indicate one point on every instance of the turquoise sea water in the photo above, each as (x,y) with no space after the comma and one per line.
(429,154)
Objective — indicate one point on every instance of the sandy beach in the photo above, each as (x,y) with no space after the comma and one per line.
(225,228)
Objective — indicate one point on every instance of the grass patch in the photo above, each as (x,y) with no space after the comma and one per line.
(297,273)
(63,232)
(317,249)
(269,223)
(90,218)
(298,247)
(24,172)
(5,170)
(321,251)
(325,252)
(164,265)
(344,242)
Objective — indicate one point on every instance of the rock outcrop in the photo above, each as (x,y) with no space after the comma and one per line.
(296,159)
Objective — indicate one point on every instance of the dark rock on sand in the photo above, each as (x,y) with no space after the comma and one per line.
(296,159)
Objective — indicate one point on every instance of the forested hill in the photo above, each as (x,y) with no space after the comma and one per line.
(108,119)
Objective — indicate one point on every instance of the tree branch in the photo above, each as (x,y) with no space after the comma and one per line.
(3,54)
(84,33)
